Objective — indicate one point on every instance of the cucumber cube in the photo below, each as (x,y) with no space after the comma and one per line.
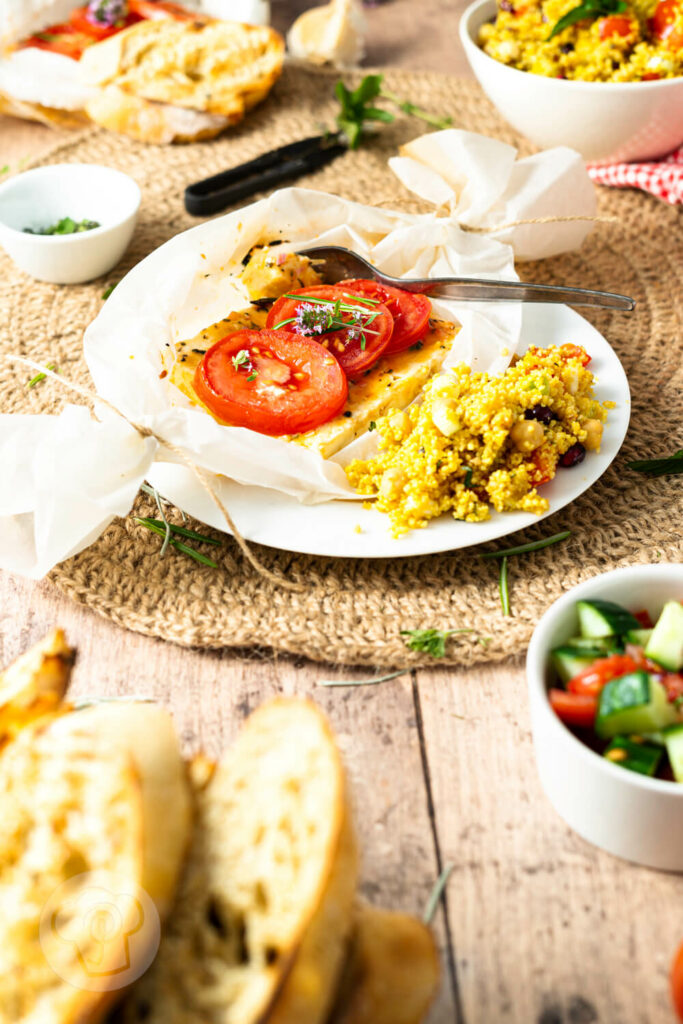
(665,646)
(634,703)
(637,757)
(604,618)
(673,737)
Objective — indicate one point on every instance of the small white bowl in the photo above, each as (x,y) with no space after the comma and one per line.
(41,197)
(607,122)
(629,815)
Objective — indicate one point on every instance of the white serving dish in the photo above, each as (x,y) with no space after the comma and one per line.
(629,815)
(43,196)
(605,121)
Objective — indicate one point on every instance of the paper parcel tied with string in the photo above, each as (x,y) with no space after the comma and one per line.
(58,494)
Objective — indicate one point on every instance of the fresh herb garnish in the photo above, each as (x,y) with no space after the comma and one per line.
(372,425)
(241,359)
(107,291)
(429,641)
(41,376)
(165,531)
(503,586)
(670,465)
(320,316)
(364,682)
(468,476)
(252,376)
(436,893)
(534,545)
(588,9)
(181,531)
(357,108)
(65,226)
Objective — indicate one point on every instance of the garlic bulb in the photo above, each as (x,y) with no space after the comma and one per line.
(332,34)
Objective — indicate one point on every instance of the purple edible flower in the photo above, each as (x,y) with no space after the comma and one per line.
(107,12)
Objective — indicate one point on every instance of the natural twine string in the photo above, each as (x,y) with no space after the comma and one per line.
(199,473)
(445,211)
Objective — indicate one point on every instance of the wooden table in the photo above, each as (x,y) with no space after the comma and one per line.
(537,926)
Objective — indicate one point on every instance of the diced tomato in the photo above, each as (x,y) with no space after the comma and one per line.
(651,76)
(81,22)
(616,26)
(676,981)
(601,672)
(574,708)
(575,352)
(410,311)
(354,353)
(673,684)
(273,382)
(544,461)
(667,24)
(644,619)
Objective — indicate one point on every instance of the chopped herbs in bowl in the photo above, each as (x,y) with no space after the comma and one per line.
(65,226)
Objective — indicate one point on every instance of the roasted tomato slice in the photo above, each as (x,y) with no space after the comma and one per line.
(411,312)
(154,9)
(357,346)
(81,22)
(271,381)
(59,39)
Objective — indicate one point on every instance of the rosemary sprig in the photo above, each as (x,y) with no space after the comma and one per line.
(153,493)
(107,291)
(503,586)
(534,545)
(151,524)
(182,531)
(436,893)
(670,465)
(87,702)
(411,108)
(429,641)
(364,682)
(41,376)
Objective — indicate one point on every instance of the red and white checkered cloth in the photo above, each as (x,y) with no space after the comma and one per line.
(662,178)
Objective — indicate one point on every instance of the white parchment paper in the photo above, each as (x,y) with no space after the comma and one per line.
(192,281)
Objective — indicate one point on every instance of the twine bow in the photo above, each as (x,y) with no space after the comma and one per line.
(201,474)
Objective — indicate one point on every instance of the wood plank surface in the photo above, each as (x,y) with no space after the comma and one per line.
(541,928)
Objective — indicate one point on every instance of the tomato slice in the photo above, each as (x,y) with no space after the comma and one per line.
(615,26)
(273,382)
(574,708)
(82,23)
(354,352)
(676,980)
(410,311)
(154,9)
(59,39)
(601,672)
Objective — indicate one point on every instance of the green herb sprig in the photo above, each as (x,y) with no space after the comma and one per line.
(358,109)
(315,316)
(41,376)
(65,226)
(107,291)
(520,549)
(430,641)
(436,894)
(588,9)
(671,465)
(158,526)
(364,682)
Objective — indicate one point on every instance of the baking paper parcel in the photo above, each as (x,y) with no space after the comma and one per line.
(66,477)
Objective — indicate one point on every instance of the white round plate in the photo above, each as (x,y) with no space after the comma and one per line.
(267,517)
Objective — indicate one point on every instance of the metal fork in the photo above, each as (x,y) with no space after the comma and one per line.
(341,264)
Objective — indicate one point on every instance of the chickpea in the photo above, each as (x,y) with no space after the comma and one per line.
(400,424)
(393,481)
(593,430)
(527,435)
(444,416)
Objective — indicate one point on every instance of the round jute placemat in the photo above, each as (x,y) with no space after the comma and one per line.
(350,611)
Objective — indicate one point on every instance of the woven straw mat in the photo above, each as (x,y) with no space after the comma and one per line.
(350,611)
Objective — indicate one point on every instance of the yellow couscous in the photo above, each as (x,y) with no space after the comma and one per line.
(477,440)
(639,41)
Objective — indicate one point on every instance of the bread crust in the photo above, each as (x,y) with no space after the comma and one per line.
(152,122)
(34,684)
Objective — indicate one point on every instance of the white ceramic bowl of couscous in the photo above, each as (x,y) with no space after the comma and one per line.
(605,121)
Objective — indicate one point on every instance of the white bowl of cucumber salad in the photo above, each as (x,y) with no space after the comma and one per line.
(605,673)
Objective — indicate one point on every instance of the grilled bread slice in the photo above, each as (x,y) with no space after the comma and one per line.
(220,67)
(272,870)
(156,123)
(392,974)
(34,684)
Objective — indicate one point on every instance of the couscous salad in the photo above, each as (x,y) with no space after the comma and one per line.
(590,40)
(478,441)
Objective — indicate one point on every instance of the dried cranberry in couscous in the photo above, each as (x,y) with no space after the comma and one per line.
(478,440)
(627,41)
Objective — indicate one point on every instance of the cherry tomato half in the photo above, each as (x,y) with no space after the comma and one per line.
(410,311)
(676,981)
(273,382)
(601,672)
(575,352)
(574,708)
(615,26)
(664,24)
(354,353)
(82,23)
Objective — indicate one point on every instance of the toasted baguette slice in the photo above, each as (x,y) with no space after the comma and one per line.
(273,861)
(392,974)
(156,123)
(221,67)
(51,116)
(71,804)
(35,683)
